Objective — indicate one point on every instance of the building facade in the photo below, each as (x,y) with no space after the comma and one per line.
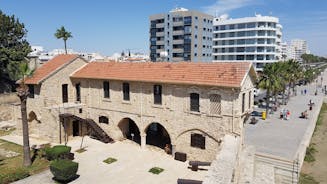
(181,35)
(296,48)
(255,39)
(188,107)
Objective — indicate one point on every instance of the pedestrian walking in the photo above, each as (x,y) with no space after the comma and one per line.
(288,114)
(301,91)
(305,91)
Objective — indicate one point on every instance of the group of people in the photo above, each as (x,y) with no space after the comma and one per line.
(304,114)
(285,114)
(304,92)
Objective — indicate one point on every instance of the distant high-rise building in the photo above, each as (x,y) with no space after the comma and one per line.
(257,39)
(284,51)
(296,49)
(181,35)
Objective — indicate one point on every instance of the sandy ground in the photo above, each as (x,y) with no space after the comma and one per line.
(318,169)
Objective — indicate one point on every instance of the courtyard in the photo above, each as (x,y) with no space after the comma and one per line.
(132,165)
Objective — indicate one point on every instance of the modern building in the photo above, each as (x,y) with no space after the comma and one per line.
(186,105)
(181,35)
(284,49)
(296,49)
(256,39)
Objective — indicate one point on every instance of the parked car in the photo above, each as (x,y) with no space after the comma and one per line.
(256,113)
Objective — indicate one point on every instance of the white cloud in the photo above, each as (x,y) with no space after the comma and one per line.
(224,6)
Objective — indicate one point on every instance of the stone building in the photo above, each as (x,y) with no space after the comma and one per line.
(187,107)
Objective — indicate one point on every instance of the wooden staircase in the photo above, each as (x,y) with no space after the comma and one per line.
(96,131)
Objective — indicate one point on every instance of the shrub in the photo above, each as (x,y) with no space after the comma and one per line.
(309,155)
(14,176)
(156,170)
(63,170)
(57,152)
(110,160)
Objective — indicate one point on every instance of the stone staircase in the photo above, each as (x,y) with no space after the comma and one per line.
(98,132)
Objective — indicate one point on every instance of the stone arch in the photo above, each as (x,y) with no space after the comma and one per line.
(157,135)
(196,129)
(130,130)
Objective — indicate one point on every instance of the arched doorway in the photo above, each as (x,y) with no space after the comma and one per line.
(130,130)
(157,135)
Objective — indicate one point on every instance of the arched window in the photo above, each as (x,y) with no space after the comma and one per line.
(215,104)
(103,119)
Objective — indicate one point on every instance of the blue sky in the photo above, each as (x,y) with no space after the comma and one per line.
(112,26)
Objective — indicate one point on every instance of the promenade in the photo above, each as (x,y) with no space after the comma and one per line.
(284,138)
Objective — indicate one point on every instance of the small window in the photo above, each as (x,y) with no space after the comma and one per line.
(126,91)
(78,92)
(194,102)
(250,93)
(157,94)
(215,104)
(198,141)
(31,91)
(243,101)
(103,119)
(106,93)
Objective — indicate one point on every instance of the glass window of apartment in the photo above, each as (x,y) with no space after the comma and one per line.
(250,41)
(241,42)
(157,94)
(104,120)
(204,38)
(269,57)
(250,49)
(195,54)
(178,55)
(198,141)
(249,57)
(187,29)
(261,33)
(250,25)
(270,41)
(241,26)
(231,42)
(261,41)
(260,49)
(224,42)
(178,37)
(231,49)
(232,34)
(195,45)
(260,57)
(241,33)
(240,57)
(250,33)
(261,24)
(216,58)
(177,19)
(215,104)
(178,28)
(126,91)
(188,20)
(204,20)
(232,26)
(64,93)
(195,102)
(240,49)
(243,102)
(222,35)
(195,36)
(178,46)
(269,24)
(231,58)
(222,27)
(30,91)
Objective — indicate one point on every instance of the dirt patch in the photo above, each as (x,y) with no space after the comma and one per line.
(318,168)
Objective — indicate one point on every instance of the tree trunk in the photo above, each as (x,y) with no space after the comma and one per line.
(26,142)
(267,101)
(65,47)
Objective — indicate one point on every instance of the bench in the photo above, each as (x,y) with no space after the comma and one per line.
(186,181)
(195,164)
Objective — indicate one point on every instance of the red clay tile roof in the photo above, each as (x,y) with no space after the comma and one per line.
(210,74)
(49,67)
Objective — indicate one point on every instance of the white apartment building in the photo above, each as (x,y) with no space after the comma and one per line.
(257,39)
(181,35)
(296,49)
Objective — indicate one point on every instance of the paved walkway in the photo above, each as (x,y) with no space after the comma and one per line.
(132,165)
(282,138)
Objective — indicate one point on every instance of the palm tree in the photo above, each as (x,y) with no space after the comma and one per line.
(270,80)
(22,93)
(63,34)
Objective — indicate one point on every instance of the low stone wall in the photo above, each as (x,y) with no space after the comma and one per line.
(7,98)
(6,107)
(222,169)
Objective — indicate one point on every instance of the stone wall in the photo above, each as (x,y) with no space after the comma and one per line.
(173,114)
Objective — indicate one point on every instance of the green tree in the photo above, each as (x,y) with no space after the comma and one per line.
(22,93)
(13,48)
(63,34)
(270,80)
